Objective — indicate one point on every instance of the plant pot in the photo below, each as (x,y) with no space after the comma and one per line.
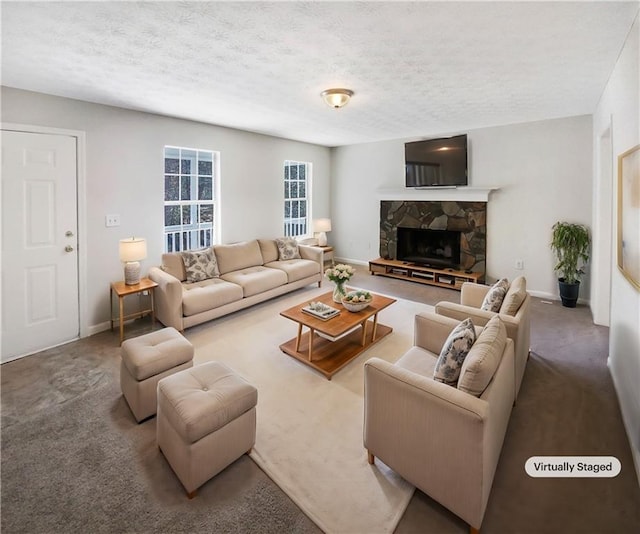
(568,293)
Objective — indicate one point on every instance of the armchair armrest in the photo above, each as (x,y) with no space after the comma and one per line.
(167,298)
(478,317)
(473,294)
(461,312)
(430,330)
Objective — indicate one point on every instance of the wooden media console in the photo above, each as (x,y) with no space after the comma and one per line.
(424,275)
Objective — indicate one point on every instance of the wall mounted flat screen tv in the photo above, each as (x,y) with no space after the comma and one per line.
(436,162)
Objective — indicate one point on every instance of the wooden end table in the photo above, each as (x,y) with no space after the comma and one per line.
(327,253)
(122,290)
(330,345)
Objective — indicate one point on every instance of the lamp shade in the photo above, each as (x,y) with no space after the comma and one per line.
(322,225)
(133,249)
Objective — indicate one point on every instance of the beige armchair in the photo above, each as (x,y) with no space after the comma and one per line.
(441,439)
(518,322)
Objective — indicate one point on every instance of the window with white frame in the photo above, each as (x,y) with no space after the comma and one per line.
(297,180)
(189,198)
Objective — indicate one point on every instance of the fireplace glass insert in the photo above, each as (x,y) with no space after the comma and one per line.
(432,248)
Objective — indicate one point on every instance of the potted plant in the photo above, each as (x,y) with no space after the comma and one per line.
(571,245)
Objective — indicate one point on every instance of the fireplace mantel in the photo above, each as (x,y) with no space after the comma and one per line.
(463,194)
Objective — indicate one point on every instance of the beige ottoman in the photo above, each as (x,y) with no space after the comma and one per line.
(206,421)
(146,360)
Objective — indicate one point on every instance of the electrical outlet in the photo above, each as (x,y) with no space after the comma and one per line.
(112,220)
(520,264)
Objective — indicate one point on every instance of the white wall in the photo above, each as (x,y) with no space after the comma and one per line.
(124,169)
(543,170)
(619,107)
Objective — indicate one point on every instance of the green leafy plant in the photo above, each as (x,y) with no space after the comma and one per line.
(571,245)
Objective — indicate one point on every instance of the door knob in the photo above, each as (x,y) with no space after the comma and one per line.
(69,233)
(68,248)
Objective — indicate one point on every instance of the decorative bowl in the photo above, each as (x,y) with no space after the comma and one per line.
(355,301)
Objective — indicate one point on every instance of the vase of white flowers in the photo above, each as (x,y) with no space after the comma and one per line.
(339,274)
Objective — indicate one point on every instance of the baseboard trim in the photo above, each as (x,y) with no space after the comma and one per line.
(635,453)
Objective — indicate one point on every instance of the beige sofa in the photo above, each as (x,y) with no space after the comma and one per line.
(445,441)
(515,313)
(250,272)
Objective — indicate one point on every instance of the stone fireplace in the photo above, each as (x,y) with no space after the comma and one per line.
(468,218)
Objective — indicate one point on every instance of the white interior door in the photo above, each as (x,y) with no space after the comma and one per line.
(39,242)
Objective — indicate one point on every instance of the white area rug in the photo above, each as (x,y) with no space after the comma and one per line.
(310,430)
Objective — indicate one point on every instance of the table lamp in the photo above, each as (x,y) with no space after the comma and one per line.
(132,250)
(321,226)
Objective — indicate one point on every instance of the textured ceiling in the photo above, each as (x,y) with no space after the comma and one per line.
(416,68)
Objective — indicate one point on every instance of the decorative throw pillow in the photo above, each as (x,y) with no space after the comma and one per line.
(483,359)
(515,296)
(287,248)
(200,264)
(494,297)
(453,353)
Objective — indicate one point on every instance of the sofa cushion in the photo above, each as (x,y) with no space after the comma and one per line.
(484,357)
(254,280)
(494,297)
(207,295)
(515,296)
(200,264)
(269,250)
(453,353)
(296,269)
(172,263)
(238,256)
(287,248)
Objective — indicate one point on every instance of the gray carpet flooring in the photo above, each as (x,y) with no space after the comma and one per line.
(74,460)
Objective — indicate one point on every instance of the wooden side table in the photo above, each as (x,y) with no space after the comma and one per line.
(122,290)
(328,253)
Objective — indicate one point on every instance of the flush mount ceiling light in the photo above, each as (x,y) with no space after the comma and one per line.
(336,98)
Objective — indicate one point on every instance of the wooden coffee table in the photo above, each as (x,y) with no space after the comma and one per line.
(330,345)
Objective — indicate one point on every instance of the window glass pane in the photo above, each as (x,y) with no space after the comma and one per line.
(302,189)
(205,163)
(186,214)
(303,209)
(287,210)
(294,209)
(171,187)
(205,189)
(294,189)
(205,168)
(185,190)
(206,213)
(286,170)
(302,175)
(188,161)
(171,165)
(293,172)
(171,215)
(287,190)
